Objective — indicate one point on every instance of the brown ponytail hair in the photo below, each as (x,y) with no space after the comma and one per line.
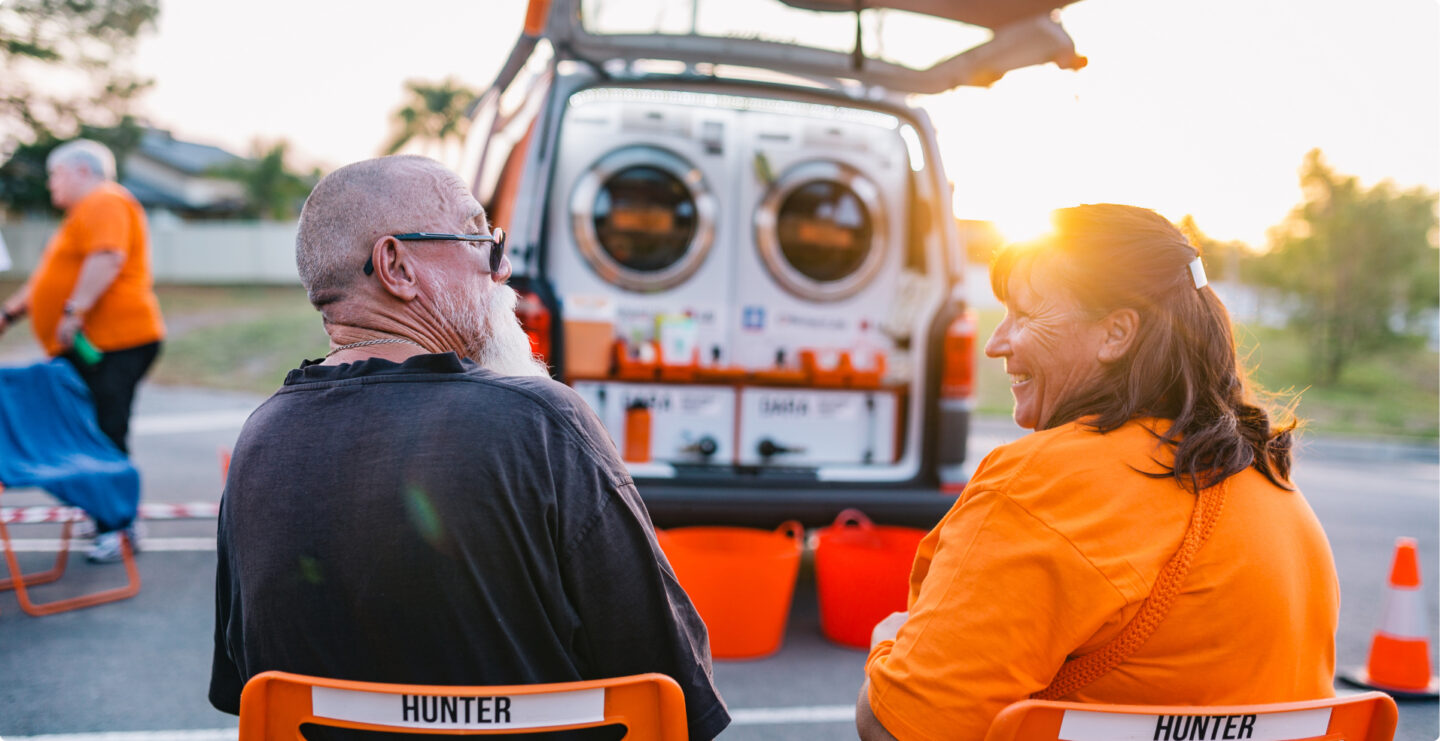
(1182,364)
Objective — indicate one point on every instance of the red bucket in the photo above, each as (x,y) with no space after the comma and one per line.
(862,571)
(741,581)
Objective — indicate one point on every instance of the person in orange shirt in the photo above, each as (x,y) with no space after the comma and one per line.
(1144,545)
(94,280)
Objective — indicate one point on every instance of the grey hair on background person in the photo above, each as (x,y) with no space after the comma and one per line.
(95,157)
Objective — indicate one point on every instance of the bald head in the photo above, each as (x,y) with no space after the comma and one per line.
(353,207)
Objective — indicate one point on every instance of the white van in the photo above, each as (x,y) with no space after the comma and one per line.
(732,235)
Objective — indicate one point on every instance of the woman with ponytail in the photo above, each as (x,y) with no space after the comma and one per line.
(1145,544)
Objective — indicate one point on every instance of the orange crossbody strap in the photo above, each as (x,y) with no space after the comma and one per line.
(1080,671)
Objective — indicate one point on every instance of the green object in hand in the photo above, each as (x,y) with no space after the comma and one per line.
(88,353)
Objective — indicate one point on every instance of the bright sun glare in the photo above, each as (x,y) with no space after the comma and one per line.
(1020,224)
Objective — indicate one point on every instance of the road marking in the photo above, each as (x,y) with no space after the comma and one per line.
(738,717)
(802,714)
(148,511)
(214,734)
(174,424)
(52,545)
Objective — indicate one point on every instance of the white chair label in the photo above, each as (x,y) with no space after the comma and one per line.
(1084,725)
(471,712)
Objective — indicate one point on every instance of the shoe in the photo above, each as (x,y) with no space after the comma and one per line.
(83,530)
(136,531)
(107,548)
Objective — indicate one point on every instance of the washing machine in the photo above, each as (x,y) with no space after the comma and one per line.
(642,217)
(642,209)
(826,224)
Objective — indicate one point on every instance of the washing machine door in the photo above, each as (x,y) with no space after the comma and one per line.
(821,230)
(643,217)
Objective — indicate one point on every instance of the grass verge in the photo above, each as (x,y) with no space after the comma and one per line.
(246,338)
(243,338)
(238,338)
(1391,393)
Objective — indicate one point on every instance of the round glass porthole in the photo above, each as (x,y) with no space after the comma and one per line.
(820,230)
(643,218)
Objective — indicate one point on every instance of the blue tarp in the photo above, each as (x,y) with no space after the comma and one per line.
(49,439)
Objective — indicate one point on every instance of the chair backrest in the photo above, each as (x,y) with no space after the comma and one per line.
(1370,716)
(273,705)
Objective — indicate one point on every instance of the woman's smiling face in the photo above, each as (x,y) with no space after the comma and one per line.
(1050,346)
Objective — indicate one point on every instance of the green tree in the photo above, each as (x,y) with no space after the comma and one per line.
(433,115)
(272,190)
(22,177)
(64,76)
(1361,263)
(75,45)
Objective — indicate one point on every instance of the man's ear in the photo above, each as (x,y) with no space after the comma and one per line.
(394,267)
(1120,327)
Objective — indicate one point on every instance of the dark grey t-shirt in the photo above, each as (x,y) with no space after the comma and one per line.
(434,523)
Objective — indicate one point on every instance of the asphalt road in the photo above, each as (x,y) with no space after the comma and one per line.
(141,666)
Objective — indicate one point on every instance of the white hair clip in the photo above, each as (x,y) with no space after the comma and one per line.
(1197,271)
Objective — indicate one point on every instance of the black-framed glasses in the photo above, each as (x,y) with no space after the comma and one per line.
(496,238)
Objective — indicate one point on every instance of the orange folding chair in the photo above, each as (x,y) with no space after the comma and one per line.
(274,705)
(1370,716)
(22,583)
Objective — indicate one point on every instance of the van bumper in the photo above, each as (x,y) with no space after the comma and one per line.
(767,507)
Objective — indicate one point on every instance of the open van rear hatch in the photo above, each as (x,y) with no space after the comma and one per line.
(731,238)
(906,46)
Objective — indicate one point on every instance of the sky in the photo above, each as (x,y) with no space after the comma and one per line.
(1188,107)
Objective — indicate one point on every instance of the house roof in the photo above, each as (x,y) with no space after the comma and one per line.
(152,196)
(187,157)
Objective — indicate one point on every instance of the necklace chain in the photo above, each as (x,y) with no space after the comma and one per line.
(364,343)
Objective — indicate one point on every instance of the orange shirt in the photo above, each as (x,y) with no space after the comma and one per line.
(1050,551)
(127,313)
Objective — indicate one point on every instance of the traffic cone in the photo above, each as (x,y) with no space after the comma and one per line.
(1400,652)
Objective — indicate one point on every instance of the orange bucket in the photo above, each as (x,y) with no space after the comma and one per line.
(741,581)
(862,571)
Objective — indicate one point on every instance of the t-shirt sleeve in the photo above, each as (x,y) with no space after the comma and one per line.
(225,682)
(634,617)
(1005,600)
(102,224)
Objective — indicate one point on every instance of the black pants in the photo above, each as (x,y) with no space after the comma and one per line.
(112,383)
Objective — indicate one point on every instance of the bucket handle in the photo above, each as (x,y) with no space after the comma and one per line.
(794,530)
(855,517)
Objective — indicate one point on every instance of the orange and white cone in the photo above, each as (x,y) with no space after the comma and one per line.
(1400,652)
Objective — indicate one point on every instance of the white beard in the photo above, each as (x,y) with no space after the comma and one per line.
(492,333)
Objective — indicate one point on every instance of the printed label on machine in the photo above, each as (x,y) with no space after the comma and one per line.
(792,405)
(799,427)
(689,424)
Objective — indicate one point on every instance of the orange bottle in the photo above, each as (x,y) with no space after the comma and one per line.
(637,432)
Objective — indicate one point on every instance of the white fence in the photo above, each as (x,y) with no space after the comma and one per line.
(206,252)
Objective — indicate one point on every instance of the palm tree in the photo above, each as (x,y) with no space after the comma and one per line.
(272,190)
(433,116)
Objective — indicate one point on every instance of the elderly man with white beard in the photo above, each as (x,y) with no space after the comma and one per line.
(424,505)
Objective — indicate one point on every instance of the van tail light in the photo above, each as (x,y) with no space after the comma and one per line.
(535,319)
(957,380)
(957,399)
